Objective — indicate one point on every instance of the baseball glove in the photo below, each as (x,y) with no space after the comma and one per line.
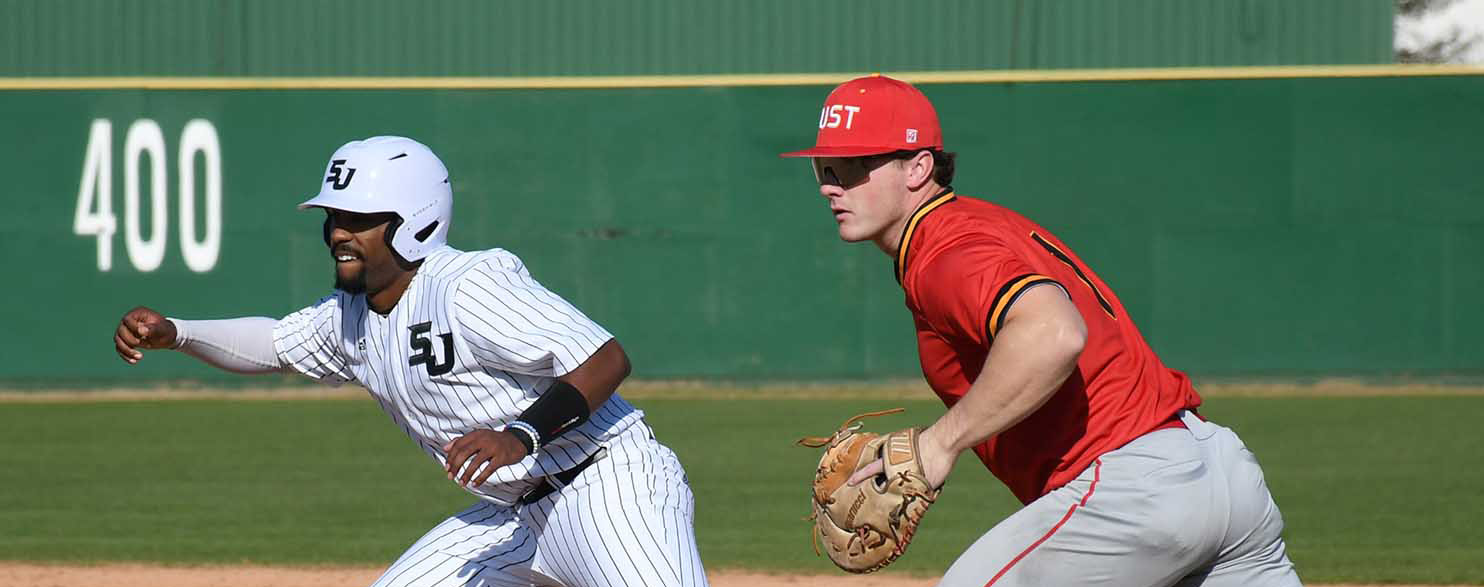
(867,526)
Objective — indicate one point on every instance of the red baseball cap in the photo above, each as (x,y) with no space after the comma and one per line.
(873,115)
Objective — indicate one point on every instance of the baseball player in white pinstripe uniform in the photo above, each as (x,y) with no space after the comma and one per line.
(501,381)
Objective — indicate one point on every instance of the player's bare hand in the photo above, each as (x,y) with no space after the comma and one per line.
(867,472)
(937,458)
(481,448)
(937,462)
(142,328)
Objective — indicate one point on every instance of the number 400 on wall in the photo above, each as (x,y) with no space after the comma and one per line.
(94,215)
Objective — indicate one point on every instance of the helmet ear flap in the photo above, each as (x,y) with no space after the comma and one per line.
(392,227)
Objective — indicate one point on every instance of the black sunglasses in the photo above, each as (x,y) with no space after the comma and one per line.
(851,171)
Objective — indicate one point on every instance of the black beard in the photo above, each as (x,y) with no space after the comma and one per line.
(353,286)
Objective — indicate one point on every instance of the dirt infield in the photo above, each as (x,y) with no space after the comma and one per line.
(33,575)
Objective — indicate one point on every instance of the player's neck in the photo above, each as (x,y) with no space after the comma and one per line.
(382,301)
(890,239)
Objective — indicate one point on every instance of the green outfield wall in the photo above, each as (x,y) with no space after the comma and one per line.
(1251,226)
(668,37)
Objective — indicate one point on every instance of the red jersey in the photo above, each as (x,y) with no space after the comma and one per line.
(963,262)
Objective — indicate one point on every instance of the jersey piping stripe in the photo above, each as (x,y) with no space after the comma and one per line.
(1060,256)
(943,197)
(1007,297)
(1097,474)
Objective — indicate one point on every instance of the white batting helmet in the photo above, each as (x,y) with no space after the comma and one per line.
(391,174)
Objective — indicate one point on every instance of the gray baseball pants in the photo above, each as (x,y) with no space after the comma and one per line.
(1179,506)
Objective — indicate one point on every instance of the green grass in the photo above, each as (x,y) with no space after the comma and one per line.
(1374,489)
(301,482)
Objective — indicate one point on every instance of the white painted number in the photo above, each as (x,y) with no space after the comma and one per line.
(144,140)
(200,137)
(95,192)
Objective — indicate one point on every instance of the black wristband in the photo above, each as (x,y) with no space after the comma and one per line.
(560,409)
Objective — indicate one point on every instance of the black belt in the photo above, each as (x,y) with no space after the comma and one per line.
(564,478)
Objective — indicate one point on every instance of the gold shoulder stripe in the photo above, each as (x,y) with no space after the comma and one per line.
(933,204)
(1007,297)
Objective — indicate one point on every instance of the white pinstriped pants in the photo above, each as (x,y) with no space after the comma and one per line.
(626,521)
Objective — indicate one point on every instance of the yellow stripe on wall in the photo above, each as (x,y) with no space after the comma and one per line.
(739,80)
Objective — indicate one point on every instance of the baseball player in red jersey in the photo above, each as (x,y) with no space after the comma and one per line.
(1045,376)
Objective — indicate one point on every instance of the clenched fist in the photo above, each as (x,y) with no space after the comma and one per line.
(142,328)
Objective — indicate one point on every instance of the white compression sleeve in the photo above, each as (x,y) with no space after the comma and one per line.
(239,345)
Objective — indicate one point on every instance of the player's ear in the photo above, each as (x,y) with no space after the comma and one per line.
(919,170)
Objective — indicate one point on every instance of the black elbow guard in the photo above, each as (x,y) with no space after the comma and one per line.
(560,409)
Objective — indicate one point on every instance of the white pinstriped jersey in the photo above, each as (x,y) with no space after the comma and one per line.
(471,344)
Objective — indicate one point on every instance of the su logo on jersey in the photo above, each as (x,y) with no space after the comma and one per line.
(418,338)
